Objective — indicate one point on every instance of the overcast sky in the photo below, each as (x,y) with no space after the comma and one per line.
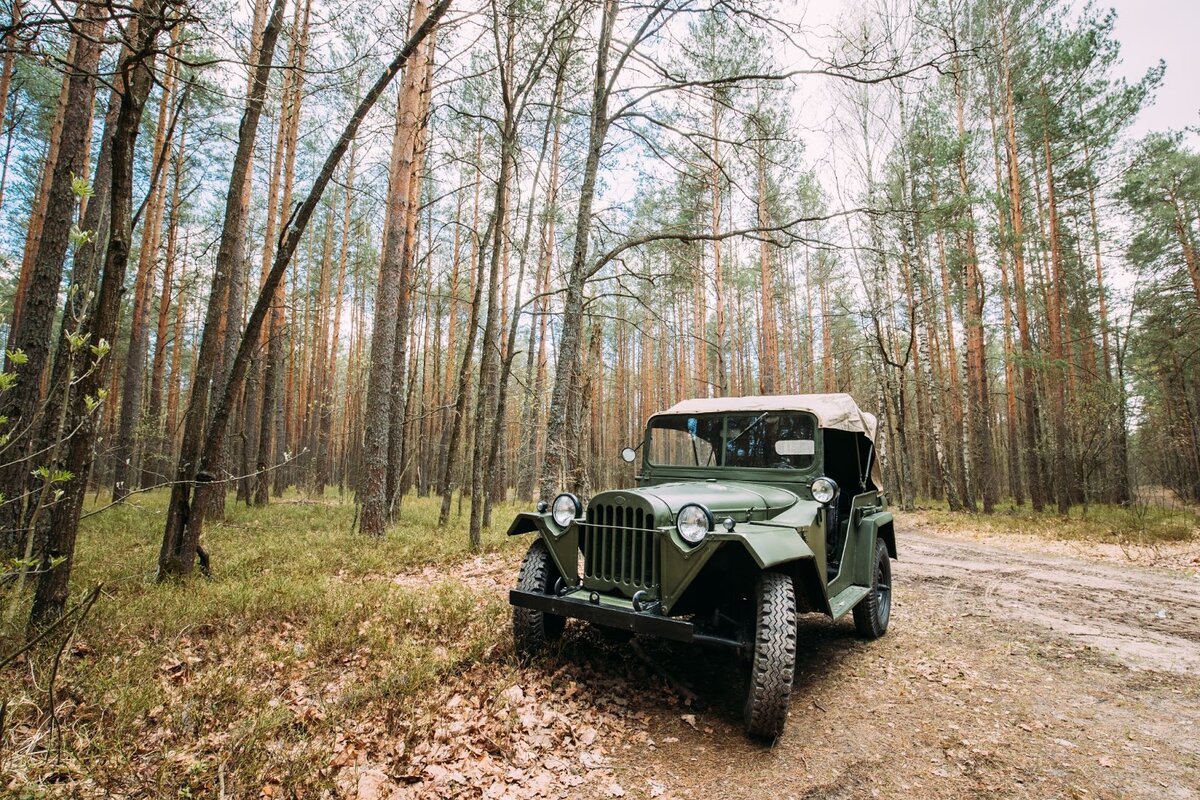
(1168,29)
(1148,30)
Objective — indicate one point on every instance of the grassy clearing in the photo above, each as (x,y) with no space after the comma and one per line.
(1139,524)
(245,680)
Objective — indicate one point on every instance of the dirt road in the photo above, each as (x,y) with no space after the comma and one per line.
(1004,674)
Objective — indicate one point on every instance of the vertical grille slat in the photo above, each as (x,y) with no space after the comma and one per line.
(607,565)
(637,564)
(627,546)
(619,547)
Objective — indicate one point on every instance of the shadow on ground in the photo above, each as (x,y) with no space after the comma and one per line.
(657,675)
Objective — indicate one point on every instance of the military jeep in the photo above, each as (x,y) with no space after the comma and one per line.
(747,512)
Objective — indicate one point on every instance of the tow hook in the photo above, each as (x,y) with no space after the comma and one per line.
(638,597)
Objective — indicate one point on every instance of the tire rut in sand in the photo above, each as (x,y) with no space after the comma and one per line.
(1146,619)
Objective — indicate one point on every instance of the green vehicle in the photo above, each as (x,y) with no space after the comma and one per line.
(747,512)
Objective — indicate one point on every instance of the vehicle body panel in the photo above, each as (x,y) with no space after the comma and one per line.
(625,556)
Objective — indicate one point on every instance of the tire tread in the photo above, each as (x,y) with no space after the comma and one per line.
(533,630)
(866,613)
(773,665)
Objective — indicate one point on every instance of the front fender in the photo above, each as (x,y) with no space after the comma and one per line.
(563,544)
(768,545)
(529,522)
(800,515)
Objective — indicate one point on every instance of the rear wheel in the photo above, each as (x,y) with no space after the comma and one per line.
(872,613)
(533,630)
(773,664)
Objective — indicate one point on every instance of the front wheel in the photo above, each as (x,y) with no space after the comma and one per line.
(773,664)
(533,630)
(872,613)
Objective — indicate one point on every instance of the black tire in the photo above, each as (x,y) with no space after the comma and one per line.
(773,665)
(873,612)
(533,630)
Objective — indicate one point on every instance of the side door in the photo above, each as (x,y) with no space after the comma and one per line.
(856,546)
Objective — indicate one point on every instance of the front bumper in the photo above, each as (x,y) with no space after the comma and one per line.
(618,613)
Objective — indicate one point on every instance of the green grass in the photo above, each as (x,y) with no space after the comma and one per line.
(1136,524)
(248,676)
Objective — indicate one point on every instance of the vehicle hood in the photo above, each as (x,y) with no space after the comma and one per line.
(719,496)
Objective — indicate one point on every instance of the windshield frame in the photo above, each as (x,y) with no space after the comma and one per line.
(754,417)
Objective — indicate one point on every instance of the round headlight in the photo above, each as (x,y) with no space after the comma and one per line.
(694,523)
(565,509)
(824,490)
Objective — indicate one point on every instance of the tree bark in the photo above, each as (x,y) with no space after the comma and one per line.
(34,314)
(557,436)
(373,490)
(8,45)
(402,371)
(979,409)
(768,369)
(1054,318)
(184,523)
(133,79)
(153,470)
(1032,444)
(134,372)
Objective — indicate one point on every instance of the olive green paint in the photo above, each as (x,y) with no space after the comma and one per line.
(776,521)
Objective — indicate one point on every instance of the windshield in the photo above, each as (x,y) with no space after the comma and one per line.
(771,440)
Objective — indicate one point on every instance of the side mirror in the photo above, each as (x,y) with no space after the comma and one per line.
(629,455)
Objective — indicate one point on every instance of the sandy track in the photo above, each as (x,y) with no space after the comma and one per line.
(1004,674)
(1147,619)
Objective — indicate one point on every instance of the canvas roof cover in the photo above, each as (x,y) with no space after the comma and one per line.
(837,411)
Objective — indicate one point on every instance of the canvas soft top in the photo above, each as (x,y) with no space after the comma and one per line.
(837,411)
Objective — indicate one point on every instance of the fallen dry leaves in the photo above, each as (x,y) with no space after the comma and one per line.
(495,733)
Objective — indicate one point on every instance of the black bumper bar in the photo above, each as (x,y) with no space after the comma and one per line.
(679,630)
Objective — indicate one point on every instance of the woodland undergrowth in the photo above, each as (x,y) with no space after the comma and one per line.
(307,637)
(241,680)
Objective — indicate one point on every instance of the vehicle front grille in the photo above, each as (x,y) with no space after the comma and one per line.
(620,547)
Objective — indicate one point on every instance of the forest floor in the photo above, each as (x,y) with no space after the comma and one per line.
(1023,660)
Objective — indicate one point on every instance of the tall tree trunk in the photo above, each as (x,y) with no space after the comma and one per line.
(134,373)
(9,45)
(73,78)
(181,535)
(402,383)
(1187,247)
(826,339)
(153,469)
(133,80)
(1028,384)
(322,456)
(1055,319)
(979,409)
(320,369)
(457,421)
(271,420)
(557,431)
(768,369)
(32,326)
(487,398)
(1015,486)
(536,361)
(401,203)
(718,269)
